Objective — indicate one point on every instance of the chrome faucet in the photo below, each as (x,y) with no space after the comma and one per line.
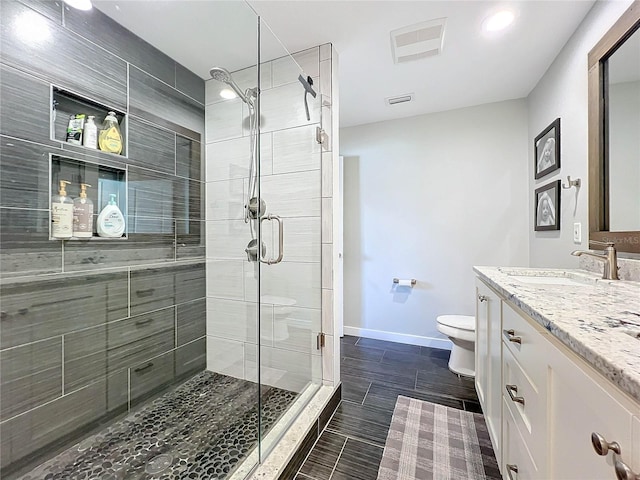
(609,258)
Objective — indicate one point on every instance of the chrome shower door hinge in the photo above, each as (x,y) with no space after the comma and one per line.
(321,136)
(320,341)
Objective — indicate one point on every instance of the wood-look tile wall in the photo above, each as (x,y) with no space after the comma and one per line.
(89,328)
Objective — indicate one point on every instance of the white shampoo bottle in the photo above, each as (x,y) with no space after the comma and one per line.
(110,222)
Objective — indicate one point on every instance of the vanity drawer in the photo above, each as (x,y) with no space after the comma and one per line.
(152,290)
(151,375)
(526,405)
(134,353)
(527,344)
(137,328)
(517,463)
(36,314)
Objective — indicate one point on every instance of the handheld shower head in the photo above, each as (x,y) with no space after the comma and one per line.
(222,75)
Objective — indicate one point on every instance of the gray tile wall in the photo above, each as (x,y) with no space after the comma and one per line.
(90,328)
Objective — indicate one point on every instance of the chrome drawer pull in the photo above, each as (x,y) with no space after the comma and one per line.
(510,334)
(602,447)
(511,389)
(511,468)
(140,323)
(145,293)
(483,298)
(142,369)
(623,472)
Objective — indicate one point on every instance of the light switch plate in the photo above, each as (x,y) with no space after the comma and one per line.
(577,233)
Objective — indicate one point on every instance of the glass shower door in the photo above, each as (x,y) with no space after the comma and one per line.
(290,229)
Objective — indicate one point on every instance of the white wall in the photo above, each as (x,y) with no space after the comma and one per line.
(562,92)
(428,197)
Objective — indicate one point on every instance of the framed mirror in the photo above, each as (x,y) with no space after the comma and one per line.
(614,134)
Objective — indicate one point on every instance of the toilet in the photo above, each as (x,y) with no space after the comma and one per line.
(461,330)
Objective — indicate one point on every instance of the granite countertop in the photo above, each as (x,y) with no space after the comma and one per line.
(587,314)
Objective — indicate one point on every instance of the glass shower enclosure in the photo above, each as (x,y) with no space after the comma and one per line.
(187,346)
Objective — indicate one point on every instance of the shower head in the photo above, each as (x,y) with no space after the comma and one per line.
(222,75)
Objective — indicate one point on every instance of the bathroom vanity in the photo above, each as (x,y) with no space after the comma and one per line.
(558,372)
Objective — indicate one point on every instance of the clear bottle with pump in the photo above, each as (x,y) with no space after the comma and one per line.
(90,134)
(62,213)
(83,214)
(110,222)
(110,137)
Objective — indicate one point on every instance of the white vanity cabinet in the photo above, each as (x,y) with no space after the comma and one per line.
(581,402)
(489,360)
(552,401)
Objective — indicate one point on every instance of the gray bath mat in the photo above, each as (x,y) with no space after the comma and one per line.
(427,441)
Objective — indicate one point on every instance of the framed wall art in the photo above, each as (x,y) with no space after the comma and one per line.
(547,214)
(547,150)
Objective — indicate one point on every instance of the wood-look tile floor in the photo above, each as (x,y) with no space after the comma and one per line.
(374,373)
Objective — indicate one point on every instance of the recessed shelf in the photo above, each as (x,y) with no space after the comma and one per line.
(65,103)
(105,181)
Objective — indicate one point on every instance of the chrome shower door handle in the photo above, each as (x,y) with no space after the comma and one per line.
(278,259)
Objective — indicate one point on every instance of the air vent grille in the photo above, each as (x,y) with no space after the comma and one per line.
(417,41)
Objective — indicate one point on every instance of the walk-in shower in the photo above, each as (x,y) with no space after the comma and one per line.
(162,354)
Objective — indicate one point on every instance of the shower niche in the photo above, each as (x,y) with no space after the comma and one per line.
(65,104)
(103,182)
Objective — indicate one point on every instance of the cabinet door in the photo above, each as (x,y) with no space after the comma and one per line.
(489,361)
(578,406)
(482,345)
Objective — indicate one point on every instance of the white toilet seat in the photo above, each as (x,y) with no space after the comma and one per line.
(461,330)
(462,322)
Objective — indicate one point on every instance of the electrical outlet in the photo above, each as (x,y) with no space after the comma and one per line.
(577,233)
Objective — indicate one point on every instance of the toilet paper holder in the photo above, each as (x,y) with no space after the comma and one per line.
(413,281)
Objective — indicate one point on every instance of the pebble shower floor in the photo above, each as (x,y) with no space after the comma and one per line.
(200,430)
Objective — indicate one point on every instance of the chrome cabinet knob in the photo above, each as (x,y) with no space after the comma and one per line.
(483,298)
(511,468)
(602,447)
(623,472)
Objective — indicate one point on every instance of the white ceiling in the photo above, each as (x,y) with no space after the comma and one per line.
(473,68)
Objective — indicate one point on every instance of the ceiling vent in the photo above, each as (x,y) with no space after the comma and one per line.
(417,41)
(407,97)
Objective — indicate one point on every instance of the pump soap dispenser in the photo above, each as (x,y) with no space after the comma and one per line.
(110,137)
(62,213)
(83,214)
(111,221)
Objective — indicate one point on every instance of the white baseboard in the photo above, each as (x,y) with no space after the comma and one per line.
(399,337)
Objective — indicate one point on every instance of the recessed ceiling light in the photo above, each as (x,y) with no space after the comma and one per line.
(498,21)
(228,93)
(79,4)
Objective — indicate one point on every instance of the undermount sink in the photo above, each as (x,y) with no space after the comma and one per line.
(549,277)
(546,280)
